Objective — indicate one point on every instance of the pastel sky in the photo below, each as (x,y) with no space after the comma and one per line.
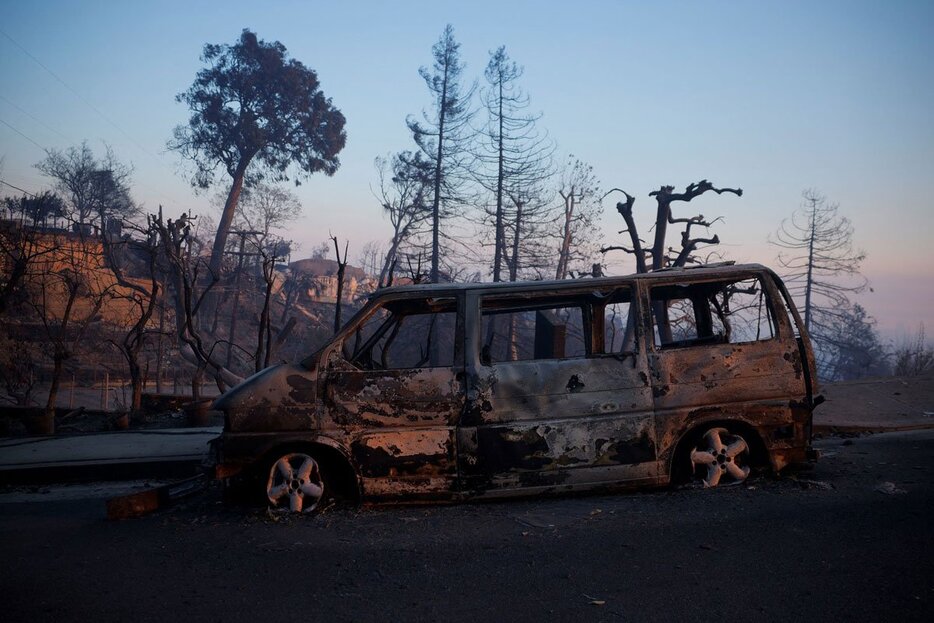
(775,97)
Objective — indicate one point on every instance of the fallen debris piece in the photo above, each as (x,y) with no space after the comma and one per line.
(889,488)
(594,601)
(151,500)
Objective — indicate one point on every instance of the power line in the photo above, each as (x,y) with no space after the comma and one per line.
(36,119)
(18,188)
(89,105)
(23,135)
(74,92)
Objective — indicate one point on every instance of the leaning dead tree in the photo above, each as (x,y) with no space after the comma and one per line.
(658,256)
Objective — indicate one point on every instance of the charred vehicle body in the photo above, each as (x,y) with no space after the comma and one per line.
(457,391)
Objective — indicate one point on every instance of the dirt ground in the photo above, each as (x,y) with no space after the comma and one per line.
(891,403)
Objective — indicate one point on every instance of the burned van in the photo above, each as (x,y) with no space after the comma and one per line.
(457,391)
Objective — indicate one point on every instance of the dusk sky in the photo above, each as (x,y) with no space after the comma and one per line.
(773,97)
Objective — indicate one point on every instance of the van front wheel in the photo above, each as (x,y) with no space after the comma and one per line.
(295,482)
(720,457)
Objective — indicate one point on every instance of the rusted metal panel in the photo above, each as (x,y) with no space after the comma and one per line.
(280,398)
(549,424)
(725,373)
(390,398)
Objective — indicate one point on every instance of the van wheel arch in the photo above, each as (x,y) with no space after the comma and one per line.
(340,475)
(680,468)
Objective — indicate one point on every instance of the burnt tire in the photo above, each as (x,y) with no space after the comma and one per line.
(718,456)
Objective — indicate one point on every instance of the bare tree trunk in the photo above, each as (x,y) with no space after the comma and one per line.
(262,344)
(57,362)
(136,384)
(161,344)
(341,268)
(564,251)
(500,241)
(223,228)
(514,262)
(235,310)
(810,275)
(436,203)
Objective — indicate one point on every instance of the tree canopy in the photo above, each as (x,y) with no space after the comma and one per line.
(92,187)
(256,113)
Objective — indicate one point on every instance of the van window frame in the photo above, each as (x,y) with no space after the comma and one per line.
(781,323)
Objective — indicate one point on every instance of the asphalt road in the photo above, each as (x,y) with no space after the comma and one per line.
(850,540)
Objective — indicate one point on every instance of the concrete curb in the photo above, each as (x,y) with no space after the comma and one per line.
(844,429)
(124,455)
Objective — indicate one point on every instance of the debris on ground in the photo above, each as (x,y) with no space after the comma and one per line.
(815,484)
(151,500)
(889,488)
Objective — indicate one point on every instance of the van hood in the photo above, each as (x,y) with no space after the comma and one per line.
(278,398)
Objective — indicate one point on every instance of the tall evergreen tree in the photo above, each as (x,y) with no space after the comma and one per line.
(821,269)
(443,135)
(515,158)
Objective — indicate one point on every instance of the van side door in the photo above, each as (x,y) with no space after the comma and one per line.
(547,407)
(394,390)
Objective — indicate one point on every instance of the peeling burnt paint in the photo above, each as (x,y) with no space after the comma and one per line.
(302,389)
(574,384)
(547,424)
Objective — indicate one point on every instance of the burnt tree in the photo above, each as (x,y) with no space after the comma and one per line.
(658,255)
(184,270)
(144,299)
(341,269)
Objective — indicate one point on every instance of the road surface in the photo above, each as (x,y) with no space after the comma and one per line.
(850,540)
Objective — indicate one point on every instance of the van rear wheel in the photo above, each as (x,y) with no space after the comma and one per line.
(720,457)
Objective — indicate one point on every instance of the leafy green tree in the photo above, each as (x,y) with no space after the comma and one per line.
(257,114)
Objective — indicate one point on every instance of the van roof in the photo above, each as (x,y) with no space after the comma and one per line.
(720,269)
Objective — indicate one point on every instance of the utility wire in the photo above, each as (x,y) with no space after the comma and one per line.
(23,135)
(18,188)
(74,92)
(89,105)
(36,119)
